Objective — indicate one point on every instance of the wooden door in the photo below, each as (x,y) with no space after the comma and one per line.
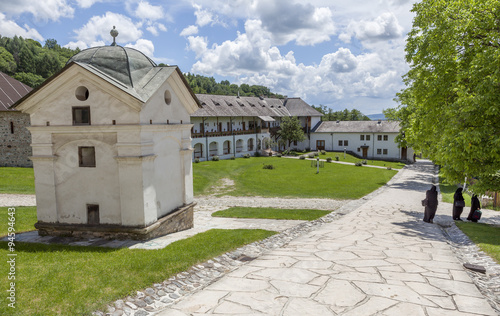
(365,152)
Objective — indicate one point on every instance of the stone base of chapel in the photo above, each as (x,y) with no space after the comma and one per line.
(179,220)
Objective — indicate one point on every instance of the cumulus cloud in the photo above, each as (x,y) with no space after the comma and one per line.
(10,29)
(42,10)
(198,45)
(98,28)
(384,27)
(190,30)
(340,61)
(87,3)
(147,11)
(145,46)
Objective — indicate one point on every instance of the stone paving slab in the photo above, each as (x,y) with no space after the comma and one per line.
(380,258)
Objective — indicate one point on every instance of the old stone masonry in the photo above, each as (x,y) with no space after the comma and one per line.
(373,256)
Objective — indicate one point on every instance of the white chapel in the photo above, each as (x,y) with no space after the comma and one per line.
(111,139)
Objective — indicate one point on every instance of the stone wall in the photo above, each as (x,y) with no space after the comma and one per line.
(15,148)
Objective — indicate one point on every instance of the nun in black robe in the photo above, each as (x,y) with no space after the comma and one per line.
(431,197)
(458,209)
(474,205)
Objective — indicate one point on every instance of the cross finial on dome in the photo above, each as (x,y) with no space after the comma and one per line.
(114,33)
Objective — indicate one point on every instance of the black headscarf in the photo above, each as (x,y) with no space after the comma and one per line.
(458,195)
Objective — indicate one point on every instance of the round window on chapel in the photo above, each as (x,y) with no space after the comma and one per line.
(168,97)
(82,93)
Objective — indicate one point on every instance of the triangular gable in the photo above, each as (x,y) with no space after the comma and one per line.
(66,78)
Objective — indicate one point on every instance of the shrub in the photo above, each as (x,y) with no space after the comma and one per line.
(278,155)
(337,158)
(257,154)
(302,157)
(328,159)
(311,155)
(358,164)
(285,152)
(215,158)
(270,154)
(196,160)
(246,156)
(323,152)
(307,149)
(304,151)
(389,168)
(268,167)
(364,162)
(232,158)
(316,154)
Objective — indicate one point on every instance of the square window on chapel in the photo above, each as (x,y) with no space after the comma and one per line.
(86,157)
(81,115)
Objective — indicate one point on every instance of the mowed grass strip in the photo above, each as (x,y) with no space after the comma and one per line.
(271,213)
(24,219)
(72,280)
(290,178)
(17,180)
(352,159)
(448,191)
(487,237)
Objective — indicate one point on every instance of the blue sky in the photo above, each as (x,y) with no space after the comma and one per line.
(338,53)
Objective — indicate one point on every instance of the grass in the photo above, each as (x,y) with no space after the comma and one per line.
(271,213)
(290,178)
(72,280)
(487,237)
(17,180)
(25,219)
(353,159)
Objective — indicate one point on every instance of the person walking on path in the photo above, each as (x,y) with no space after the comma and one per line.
(474,205)
(431,204)
(458,204)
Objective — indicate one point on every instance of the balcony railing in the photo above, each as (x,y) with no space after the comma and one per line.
(226,133)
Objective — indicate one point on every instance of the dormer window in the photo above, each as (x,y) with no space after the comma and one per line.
(81,115)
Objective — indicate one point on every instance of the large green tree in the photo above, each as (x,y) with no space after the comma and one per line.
(291,130)
(450,108)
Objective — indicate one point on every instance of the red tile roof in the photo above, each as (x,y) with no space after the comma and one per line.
(11,90)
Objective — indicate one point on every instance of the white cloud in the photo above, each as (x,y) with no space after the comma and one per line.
(144,46)
(98,28)
(190,30)
(147,11)
(198,45)
(382,28)
(42,10)
(87,3)
(155,28)
(10,29)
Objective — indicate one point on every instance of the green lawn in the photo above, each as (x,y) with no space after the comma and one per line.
(290,178)
(71,280)
(25,219)
(352,159)
(487,237)
(271,213)
(17,180)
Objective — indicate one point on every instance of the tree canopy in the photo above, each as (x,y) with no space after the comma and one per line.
(291,130)
(450,108)
(208,85)
(27,61)
(345,115)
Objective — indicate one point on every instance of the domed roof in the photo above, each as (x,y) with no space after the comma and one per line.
(124,64)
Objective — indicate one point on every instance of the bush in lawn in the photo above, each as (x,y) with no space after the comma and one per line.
(246,156)
(323,152)
(311,155)
(268,167)
(278,155)
(302,157)
(328,159)
(215,158)
(285,152)
(316,154)
(337,158)
(364,162)
(358,164)
(196,160)
(389,168)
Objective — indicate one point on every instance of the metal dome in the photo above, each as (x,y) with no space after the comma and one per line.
(124,64)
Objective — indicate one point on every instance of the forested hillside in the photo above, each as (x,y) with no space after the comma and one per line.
(29,62)
(345,115)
